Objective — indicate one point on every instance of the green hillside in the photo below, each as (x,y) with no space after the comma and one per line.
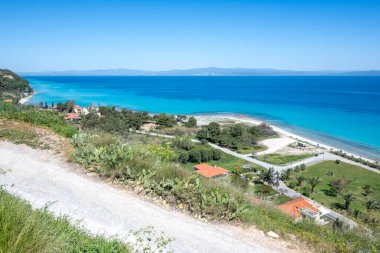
(13,86)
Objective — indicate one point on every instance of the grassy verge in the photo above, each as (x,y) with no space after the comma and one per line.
(348,178)
(23,229)
(279,159)
(18,136)
(37,117)
(135,166)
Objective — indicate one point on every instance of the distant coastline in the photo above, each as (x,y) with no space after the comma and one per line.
(211,71)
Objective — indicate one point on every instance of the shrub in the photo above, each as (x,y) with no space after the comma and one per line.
(216,154)
(195,156)
(31,115)
(184,143)
(206,154)
(183,157)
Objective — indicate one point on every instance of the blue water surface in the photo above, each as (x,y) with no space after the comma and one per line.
(339,111)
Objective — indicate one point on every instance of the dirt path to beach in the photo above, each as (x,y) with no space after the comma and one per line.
(41,178)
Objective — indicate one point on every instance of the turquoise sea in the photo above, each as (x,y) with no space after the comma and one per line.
(340,111)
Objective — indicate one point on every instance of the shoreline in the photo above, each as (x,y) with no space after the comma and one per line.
(247,119)
(24,100)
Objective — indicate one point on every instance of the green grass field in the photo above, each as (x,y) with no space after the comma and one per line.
(356,176)
(278,159)
(255,149)
(227,162)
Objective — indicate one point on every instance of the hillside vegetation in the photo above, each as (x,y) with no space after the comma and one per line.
(151,170)
(29,114)
(13,86)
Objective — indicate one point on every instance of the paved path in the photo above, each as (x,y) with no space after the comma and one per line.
(282,188)
(40,178)
(326,156)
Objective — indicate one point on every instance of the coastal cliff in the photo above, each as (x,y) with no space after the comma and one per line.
(12,86)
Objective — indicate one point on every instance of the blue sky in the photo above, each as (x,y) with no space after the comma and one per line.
(157,35)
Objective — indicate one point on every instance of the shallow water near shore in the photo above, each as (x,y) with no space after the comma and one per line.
(339,111)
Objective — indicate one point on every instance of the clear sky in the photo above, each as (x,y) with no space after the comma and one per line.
(157,35)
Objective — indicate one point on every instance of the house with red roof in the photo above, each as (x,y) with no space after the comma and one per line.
(299,208)
(72,117)
(210,171)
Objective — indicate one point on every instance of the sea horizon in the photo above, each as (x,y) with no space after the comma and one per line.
(341,112)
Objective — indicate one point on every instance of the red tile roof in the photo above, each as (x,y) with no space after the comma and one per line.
(209,171)
(72,116)
(292,207)
(76,107)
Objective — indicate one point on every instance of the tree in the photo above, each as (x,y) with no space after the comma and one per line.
(356,213)
(286,174)
(195,156)
(300,179)
(216,154)
(338,224)
(366,190)
(214,130)
(183,142)
(60,107)
(348,198)
(206,154)
(277,178)
(191,122)
(370,205)
(314,181)
(183,157)
(164,120)
(268,176)
(202,134)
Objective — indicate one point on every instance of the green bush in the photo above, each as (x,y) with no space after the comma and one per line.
(34,116)
(23,229)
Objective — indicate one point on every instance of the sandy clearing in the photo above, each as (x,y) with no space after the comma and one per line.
(40,177)
(275,144)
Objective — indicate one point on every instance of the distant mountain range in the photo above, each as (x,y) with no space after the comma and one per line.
(202,72)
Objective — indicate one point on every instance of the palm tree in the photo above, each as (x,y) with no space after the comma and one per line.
(300,179)
(314,181)
(348,198)
(366,190)
(371,205)
(268,176)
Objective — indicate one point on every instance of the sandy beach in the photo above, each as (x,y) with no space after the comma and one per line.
(275,144)
(24,100)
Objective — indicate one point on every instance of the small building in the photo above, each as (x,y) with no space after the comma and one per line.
(210,171)
(72,117)
(299,208)
(77,109)
(149,126)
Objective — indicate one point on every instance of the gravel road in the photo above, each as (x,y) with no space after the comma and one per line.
(40,178)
